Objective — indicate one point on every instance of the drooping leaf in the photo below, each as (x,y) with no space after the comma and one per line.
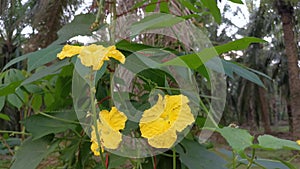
(40,125)
(274,143)
(239,44)
(231,68)
(53,69)
(41,57)
(195,60)
(195,156)
(238,139)
(32,152)
(154,21)
(214,9)
(80,25)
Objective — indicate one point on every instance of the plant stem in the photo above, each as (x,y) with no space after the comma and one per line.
(252,159)
(174,158)
(94,113)
(14,132)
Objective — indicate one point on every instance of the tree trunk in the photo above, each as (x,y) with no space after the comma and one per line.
(285,10)
(264,110)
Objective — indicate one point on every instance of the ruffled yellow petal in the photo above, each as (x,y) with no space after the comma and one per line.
(115,119)
(298,142)
(108,128)
(154,112)
(93,55)
(69,51)
(114,53)
(164,140)
(161,122)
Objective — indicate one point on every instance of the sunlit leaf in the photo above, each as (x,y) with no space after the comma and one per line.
(274,143)
(238,139)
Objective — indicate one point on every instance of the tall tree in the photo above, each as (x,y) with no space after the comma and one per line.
(286,11)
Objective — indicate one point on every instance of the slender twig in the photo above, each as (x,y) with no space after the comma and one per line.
(6,145)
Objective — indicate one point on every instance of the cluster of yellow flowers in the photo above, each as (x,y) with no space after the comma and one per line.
(159,124)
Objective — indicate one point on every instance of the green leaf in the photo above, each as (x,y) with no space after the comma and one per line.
(189,5)
(53,69)
(2,102)
(14,100)
(237,1)
(239,44)
(79,26)
(40,125)
(15,60)
(32,152)
(195,60)
(213,8)
(37,102)
(41,57)
(238,139)
(152,6)
(195,156)
(4,117)
(131,47)
(163,6)
(274,143)
(154,21)
(10,88)
(243,72)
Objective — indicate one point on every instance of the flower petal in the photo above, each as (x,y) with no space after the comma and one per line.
(154,112)
(114,53)
(115,119)
(93,55)
(164,140)
(69,51)
(168,116)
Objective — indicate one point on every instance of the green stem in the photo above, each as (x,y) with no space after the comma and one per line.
(14,132)
(174,158)
(252,159)
(94,113)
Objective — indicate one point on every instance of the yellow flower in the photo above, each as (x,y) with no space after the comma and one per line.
(92,55)
(169,115)
(108,128)
(69,51)
(298,142)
